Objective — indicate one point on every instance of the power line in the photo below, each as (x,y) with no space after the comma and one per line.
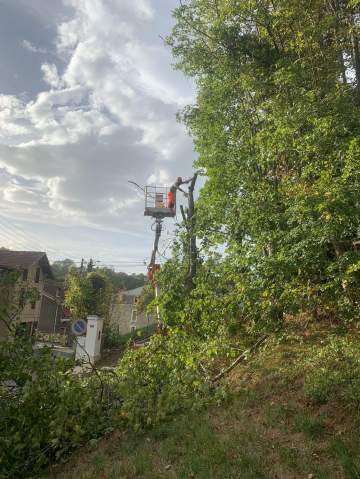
(19,232)
(26,238)
(9,240)
(12,236)
(25,235)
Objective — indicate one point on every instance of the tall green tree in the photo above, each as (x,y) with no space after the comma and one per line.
(121,280)
(89,294)
(276,127)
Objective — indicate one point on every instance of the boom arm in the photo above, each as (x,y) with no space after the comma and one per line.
(151,266)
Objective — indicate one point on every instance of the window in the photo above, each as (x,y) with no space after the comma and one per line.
(37,275)
(25,275)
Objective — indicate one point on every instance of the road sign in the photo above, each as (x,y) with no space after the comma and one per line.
(78,327)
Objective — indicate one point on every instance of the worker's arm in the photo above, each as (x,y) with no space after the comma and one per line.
(182,191)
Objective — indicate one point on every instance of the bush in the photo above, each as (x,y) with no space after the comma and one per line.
(334,371)
(113,339)
(45,409)
(168,376)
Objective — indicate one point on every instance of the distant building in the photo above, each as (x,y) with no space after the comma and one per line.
(124,314)
(34,272)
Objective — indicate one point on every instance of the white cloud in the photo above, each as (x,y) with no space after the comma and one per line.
(160,178)
(32,48)
(109,116)
(51,75)
(12,118)
(17,194)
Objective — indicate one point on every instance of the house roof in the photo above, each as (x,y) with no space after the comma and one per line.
(24,259)
(134,292)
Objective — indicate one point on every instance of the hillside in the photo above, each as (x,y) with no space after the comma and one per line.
(118,279)
(280,419)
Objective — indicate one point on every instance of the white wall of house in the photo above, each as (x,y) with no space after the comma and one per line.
(124,316)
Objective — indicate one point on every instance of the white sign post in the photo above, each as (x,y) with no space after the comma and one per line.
(89,337)
(94,337)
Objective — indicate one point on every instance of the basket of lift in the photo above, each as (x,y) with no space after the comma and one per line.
(156,202)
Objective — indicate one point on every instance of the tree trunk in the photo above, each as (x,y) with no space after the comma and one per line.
(192,239)
(190,226)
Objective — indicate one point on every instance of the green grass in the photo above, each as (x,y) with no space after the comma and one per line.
(348,457)
(188,447)
(312,427)
(224,443)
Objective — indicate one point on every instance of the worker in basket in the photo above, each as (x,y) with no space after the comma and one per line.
(171,197)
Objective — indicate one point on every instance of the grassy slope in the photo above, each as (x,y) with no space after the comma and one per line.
(266,429)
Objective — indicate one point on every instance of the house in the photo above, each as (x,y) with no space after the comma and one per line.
(4,297)
(124,314)
(51,311)
(34,272)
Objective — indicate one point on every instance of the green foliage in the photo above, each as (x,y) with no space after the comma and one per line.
(333,371)
(123,281)
(45,409)
(113,339)
(276,129)
(145,298)
(118,279)
(165,378)
(89,294)
(14,295)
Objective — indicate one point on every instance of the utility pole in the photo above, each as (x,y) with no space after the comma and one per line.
(90,266)
(82,266)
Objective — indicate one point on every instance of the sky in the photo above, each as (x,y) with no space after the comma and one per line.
(88,101)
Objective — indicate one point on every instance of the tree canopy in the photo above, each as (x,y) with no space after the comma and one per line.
(88,294)
(276,128)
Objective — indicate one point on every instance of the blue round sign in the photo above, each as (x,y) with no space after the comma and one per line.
(78,327)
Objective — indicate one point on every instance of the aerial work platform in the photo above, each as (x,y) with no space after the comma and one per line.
(156,202)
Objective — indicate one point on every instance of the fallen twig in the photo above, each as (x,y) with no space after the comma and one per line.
(239,359)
